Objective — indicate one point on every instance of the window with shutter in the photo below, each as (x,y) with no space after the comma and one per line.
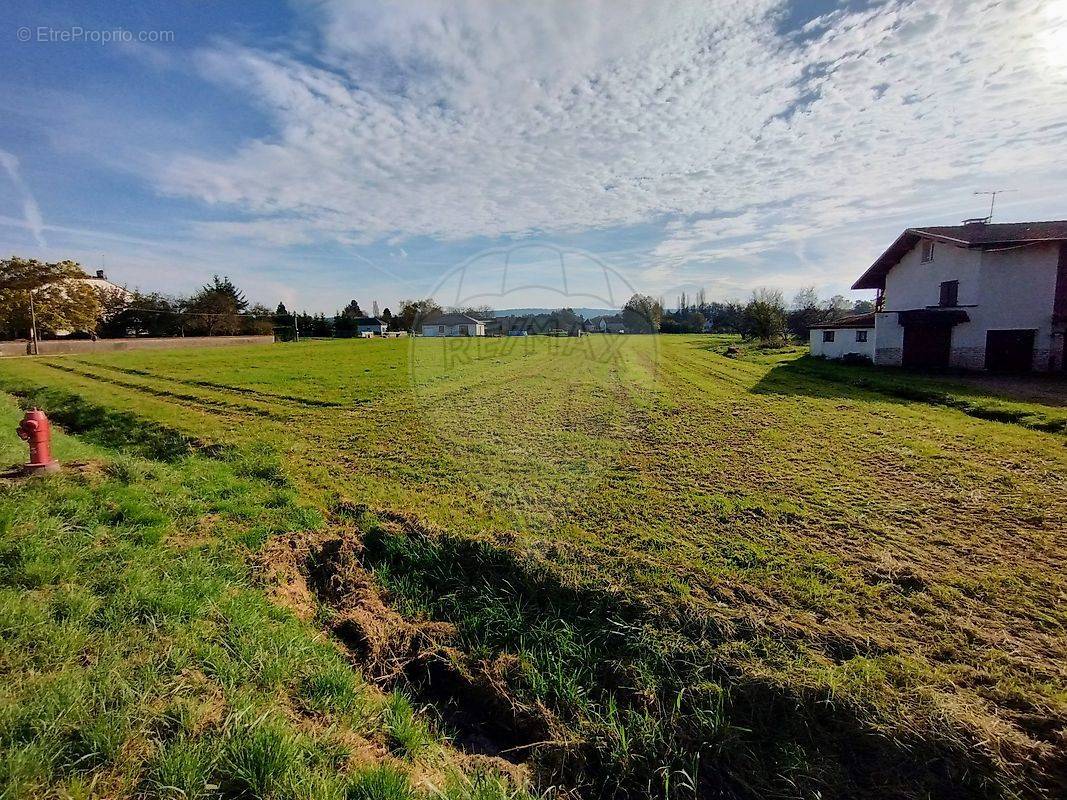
(928,250)
(950,291)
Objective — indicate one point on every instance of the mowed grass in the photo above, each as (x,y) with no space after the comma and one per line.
(139,660)
(774,545)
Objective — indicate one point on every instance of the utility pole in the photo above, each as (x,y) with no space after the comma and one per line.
(296,327)
(33,325)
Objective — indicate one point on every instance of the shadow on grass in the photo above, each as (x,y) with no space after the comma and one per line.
(813,377)
(646,694)
(131,434)
(117,430)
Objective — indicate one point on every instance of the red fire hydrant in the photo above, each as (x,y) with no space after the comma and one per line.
(36,431)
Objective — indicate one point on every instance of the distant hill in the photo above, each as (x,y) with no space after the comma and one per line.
(584,313)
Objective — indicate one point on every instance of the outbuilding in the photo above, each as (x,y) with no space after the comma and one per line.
(850,337)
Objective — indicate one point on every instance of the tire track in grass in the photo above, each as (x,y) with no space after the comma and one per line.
(224,387)
(240,410)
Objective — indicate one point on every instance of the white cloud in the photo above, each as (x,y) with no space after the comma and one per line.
(454,120)
(32,219)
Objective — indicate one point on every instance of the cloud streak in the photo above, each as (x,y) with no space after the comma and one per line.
(33,221)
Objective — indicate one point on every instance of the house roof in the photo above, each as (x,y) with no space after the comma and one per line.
(855,321)
(453,319)
(978,235)
(368,321)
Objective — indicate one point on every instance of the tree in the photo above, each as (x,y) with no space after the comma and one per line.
(215,310)
(805,299)
(482,312)
(725,317)
(387,317)
(564,319)
(282,311)
(765,316)
(352,310)
(61,300)
(683,321)
(259,321)
(150,314)
(863,307)
(807,311)
(642,314)
(838,306)
(413,312)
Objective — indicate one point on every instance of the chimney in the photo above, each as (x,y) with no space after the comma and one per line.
(100,274)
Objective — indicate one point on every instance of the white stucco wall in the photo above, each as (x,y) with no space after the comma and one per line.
(914,284)
(453,330)
(1000,290)
(1017,292)
(844,343)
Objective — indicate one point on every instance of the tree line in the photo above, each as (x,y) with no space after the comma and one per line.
(765,317)
(58,299)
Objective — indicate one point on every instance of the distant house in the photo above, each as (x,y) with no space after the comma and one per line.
(453,325)
(605,324)
(105,287)
(973,296)
(848,337)
(371,325)
(112,296)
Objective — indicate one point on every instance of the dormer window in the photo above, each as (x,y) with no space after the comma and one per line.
(928,250)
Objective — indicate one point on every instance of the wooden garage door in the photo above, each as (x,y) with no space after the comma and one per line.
(926,346)
(1009,351)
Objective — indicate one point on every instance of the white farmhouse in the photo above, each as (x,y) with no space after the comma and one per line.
(371,326)
(847,337)
(972,296)
(453,325)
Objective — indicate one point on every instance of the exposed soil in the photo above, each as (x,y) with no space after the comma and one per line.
(323,572)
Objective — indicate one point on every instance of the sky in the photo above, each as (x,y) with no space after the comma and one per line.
(518,154)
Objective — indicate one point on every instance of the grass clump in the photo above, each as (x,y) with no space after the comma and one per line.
(409,737)
(383,782)
(183,770)
(334,687)
(260,759)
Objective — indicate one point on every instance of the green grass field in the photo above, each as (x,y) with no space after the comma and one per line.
(645,568)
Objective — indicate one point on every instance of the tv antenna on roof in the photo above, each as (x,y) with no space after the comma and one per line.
(993,200)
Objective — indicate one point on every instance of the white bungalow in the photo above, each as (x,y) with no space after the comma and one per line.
(453,325)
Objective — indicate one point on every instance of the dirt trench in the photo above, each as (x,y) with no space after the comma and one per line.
(320,576)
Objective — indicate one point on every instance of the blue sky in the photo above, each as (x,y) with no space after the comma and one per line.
(521,154)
